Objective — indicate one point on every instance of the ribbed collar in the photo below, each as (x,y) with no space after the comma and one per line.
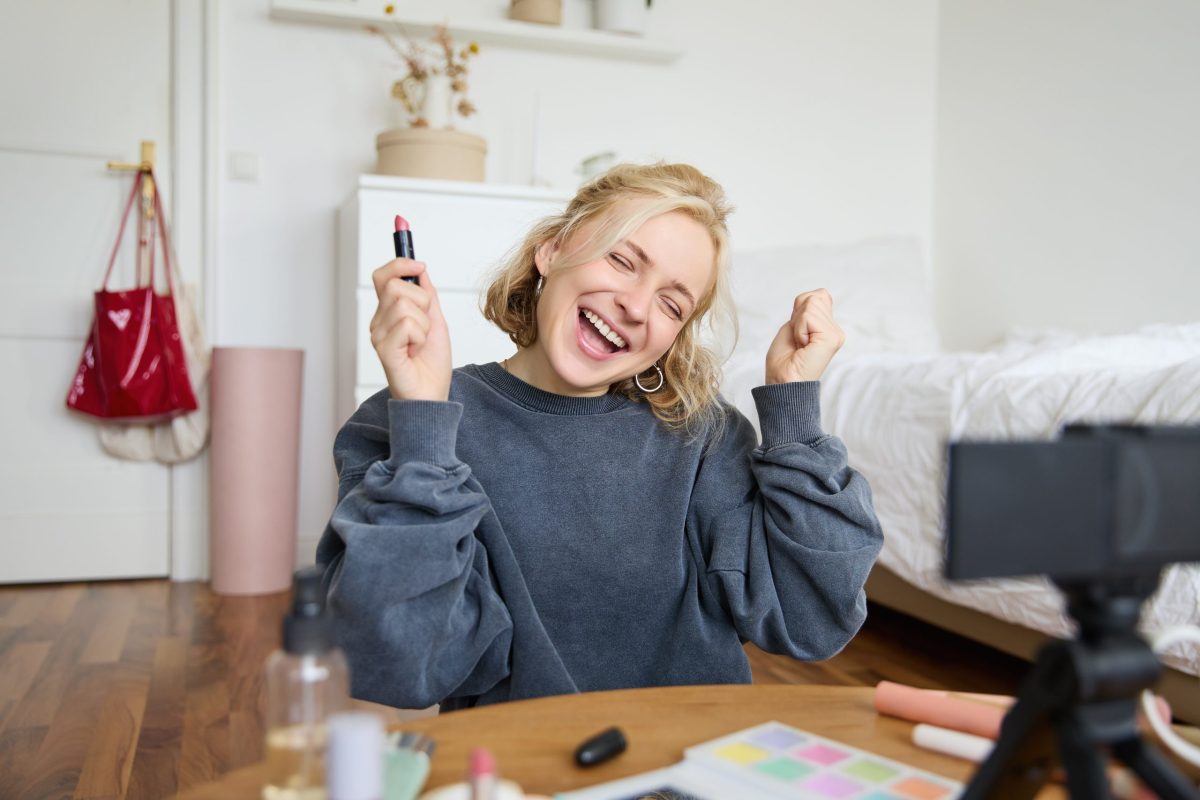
(534,398)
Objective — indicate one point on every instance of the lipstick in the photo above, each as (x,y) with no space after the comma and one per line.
(402,239)
(481,774)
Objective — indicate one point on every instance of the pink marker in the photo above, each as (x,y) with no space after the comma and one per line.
(402,239)
(482,774)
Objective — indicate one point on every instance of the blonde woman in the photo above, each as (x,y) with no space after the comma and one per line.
(589,514)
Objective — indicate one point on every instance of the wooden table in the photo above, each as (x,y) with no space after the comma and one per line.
(534,740)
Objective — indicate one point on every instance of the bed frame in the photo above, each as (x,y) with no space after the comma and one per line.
(885,587)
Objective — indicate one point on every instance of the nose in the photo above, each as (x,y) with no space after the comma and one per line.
(635,303)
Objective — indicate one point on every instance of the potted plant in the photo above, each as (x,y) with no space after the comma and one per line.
(432,92)
(622,16)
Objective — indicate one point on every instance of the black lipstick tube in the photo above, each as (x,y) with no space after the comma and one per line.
(402,239)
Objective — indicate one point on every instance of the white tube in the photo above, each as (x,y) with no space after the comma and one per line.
(952,743)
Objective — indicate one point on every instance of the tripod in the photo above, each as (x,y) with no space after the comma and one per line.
(1081,697)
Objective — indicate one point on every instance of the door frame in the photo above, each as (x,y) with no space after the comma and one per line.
(195,131)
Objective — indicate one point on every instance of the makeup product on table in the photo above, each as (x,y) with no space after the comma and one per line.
(354,761)
(402,240)
(407,765)
(774,760)
(482,774)
(307,681)
(952,743)
(483,782)
(600,748)
(945,710)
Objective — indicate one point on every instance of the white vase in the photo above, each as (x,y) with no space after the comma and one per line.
(622,16)
(432,101)
(436,104)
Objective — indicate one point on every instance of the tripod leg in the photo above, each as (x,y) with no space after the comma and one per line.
(1084,765)
(1155,770)
(1024,755)
(1022,759)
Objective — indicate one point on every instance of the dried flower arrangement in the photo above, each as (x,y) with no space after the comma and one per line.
(423,60)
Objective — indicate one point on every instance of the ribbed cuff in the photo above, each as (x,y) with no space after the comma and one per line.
(789,412)
(424,430)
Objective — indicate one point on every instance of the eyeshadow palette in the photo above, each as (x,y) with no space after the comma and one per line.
(796,764)
(774,760)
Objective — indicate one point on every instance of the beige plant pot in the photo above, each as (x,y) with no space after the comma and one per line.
(431,153)
(545,12)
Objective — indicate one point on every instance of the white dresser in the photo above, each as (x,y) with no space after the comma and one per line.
(460,230)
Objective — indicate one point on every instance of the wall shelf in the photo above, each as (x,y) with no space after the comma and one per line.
(573,41)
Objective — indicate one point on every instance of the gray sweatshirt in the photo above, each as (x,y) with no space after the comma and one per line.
(512,543)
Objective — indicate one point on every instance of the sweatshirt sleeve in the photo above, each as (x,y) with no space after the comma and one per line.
(408,582)
(789,538)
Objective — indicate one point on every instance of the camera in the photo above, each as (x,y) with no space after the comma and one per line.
(1100,502)
(1100,511)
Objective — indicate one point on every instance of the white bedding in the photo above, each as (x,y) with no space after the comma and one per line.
(896,412)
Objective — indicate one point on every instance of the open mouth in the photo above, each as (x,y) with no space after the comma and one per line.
(598,335)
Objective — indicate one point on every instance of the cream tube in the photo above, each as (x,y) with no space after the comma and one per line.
(952,743)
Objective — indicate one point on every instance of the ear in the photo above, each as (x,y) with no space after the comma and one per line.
(542,256)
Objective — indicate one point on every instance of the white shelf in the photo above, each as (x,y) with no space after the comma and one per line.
(437,186)
(485,31)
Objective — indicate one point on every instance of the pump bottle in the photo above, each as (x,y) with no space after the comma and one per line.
(306,681)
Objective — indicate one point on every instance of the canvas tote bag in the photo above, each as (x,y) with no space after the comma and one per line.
(182,437)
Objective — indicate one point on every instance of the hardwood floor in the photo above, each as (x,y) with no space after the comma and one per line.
(140,689)
(894,647)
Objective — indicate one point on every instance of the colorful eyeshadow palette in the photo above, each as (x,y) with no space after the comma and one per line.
(774,760)
(796,764)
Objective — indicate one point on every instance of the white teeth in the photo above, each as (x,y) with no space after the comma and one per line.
(605,331)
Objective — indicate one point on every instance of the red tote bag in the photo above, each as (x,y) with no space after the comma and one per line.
(133,365)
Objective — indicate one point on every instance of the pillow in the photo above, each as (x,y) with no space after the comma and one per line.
(881,297)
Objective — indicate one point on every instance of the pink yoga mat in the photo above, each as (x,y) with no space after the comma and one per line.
(254,468)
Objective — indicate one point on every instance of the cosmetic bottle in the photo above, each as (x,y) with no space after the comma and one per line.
(306,681)
(407,765)
(354,760)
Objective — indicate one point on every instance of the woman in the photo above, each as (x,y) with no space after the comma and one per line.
(589,514)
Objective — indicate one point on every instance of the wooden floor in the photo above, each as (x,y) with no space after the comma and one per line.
(139,689)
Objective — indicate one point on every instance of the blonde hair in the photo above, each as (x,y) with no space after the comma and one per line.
(691,370)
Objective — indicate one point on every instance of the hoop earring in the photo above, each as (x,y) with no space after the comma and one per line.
(661,380)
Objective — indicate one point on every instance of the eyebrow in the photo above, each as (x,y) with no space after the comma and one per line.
(645,259)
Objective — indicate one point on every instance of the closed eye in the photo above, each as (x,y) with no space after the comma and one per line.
(620,261)
(674,310)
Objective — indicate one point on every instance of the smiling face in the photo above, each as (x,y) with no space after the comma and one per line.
(611,318)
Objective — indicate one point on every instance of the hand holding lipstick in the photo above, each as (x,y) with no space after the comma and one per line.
(807,342)
(409,333)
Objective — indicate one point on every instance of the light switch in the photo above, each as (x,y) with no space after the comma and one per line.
(243,166)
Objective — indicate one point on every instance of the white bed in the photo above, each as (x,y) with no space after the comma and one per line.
(897,399)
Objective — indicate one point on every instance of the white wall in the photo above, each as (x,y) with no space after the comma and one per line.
(817,116)
(1068,172)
